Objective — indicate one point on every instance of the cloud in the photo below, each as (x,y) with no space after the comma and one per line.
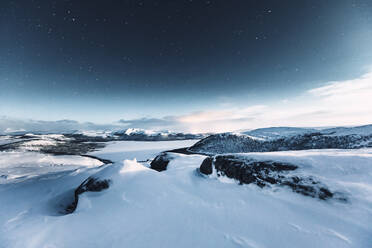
(333,104)
(350,87)
(150,123)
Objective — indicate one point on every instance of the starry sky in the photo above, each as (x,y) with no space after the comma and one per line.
(105,61)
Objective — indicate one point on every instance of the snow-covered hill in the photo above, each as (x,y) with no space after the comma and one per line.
(359,130)
(70,191)
(180,208)
(278,132)
(266,140)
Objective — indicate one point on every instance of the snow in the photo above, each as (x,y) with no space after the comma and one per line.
(7,140)
(130,131)
(277,132)
(180,208)
(93,133)
(271,133)
(36,142)
(19,166)
(117,151)
(36,145)
(359,130)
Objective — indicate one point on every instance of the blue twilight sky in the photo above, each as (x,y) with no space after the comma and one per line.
(195,65)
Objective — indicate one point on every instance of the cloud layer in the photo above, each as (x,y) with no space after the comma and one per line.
(336,103)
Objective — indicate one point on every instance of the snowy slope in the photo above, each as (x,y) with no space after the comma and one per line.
(282,139)
(278,132)
(180,208)
(6,139)
(271,133)
(359,130)
(20,166)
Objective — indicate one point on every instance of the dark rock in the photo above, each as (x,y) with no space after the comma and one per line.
(206,166)
(182,151)
(160,162)
(71,147)
(90,184)
(325,193)
(265,173)
(93,184)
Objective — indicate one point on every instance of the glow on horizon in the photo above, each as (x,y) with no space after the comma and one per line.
(335,103)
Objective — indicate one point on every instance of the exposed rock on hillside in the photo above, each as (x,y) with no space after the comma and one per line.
(237,143)
(161,161)
(90,184)
(266,173)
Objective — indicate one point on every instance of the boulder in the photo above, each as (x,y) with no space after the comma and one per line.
(206,166)
(90,184)
(160,162)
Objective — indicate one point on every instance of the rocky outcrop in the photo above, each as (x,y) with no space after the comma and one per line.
(91,184)
(265,174)
(206,166)
(161,162)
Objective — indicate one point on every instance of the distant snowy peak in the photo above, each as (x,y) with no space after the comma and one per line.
(135,134)
(150,135)
(98,133)
(139,131)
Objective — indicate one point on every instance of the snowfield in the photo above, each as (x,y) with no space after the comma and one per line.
(117,151)
(181,208)
(19,166)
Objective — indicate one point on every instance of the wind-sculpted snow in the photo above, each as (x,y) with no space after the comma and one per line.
(235,143)
(19,166)
(179,208)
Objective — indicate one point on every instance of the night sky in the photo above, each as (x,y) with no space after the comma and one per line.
(102,61)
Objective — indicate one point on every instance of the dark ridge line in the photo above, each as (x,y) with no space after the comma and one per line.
(105,161)
(185,151)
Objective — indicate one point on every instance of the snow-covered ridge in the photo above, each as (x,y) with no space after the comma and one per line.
(281,139)
(282,132)
(277,132)
(134,134)
(151,135)
(359,130)
(134,131)
(186,208)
